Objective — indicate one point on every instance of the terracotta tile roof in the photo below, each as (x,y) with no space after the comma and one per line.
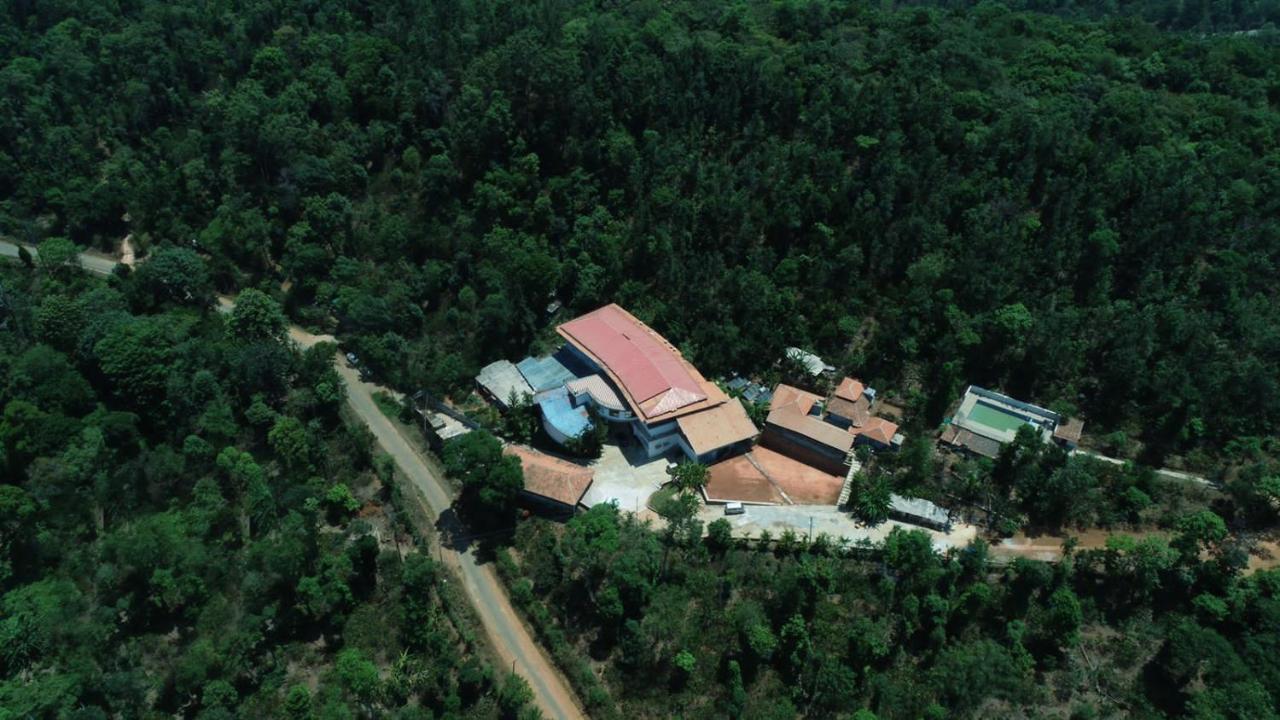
(786,396)
(973,442)
(550,476)
(858,412)
(850,389)
(650,371)
(810,427)
(878,429)
(716,427)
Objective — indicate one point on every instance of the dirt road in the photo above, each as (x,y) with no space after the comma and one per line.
(503,626)
(505,629)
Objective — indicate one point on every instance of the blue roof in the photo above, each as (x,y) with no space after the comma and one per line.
(544,373)
(561,414)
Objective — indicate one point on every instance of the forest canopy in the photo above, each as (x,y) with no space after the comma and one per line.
(1079,212)
(190,528)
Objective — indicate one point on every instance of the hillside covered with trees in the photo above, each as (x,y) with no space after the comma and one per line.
(1078,212)
(1078,203)
(712,627)
(188,526)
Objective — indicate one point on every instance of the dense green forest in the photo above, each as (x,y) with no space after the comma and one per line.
(693,627)
(1081,213)
(1257,17)
(188,528)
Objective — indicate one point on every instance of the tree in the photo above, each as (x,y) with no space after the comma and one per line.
(689,477)
(340,502)
(513,696)
(737,702)
(357,676)
(1064,617)
(491,480)
(256,317)
(1197,532)
(872,498)
(176,275)
(135,356)
(681,515)
(288,438)
(59,257)
(685,663)
(719,535)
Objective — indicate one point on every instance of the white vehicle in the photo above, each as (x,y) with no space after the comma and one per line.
(734,508)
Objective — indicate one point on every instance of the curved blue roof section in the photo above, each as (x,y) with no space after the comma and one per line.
(560,413)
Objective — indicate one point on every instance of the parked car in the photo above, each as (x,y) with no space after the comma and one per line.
(734,508)
(352,360)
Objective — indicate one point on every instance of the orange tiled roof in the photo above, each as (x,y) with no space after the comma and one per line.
(850,389)
(877,429)
(550,476)
(788,397)
(717,427)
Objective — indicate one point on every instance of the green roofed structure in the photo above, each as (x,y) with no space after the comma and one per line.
(986,420)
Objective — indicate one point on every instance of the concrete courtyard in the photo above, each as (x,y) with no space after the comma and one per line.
(777,519)
(622,477)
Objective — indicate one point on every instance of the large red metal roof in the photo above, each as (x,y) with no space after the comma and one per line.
(650,370)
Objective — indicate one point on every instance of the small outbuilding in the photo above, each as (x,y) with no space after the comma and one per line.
(812,364)
(554,483)
(919,511)
(501,381)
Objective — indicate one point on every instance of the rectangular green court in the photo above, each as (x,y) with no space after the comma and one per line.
(994,418)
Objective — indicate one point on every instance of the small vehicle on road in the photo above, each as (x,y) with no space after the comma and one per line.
(734,508)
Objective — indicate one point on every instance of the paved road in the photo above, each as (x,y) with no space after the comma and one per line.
(96,264)
(505,629)
(1164,472)
(507,633)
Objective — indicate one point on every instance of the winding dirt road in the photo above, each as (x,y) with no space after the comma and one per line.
(506,632)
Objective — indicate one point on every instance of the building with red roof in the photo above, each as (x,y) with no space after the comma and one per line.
(669,405)
(551,479)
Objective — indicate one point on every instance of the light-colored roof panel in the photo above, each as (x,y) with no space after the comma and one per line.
(812,428)
(550,476)
(920,508)
(717,427)
(598,389)
(501,379)
(812,363)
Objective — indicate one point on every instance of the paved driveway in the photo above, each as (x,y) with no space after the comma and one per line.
(626,482)
(777,519)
